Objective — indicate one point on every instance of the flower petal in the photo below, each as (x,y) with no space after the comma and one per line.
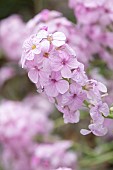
(33,75)
(51,90)
(66,72)
(62,86)
(59,36)
(45,46)
(71,117)
(42,34)
(98,129)
(58,43)
(85,131)
(104,109)
(102,87)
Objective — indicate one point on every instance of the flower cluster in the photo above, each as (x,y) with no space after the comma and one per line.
(20,125)
(6,72)
(49,156)
(52,65)
(55,21)
(12,36)
(97,25)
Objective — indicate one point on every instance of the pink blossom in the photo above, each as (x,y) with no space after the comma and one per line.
(97,110)
(79,74)
(64,81)
(71,117)
(6,73)
(12,36)
(31,48)
(65,63)
(99,16)
(96,129)
(68,115)
(35,71)
(17,131)
(55,85)
(53,157)
(74,98)
(57,38)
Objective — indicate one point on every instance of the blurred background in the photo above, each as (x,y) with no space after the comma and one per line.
(33,135)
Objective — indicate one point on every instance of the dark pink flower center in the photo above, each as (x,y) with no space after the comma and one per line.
(78,69)
(36,68)
(64,62)
(74,95)
(54,80)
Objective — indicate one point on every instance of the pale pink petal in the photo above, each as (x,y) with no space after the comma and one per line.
(33,75)
(37,50)
(51,90)
(56,66)
(66,72)
(23,59)
(71,117)
(98,129)
(58,43)
(85,131)
(62,86)
(102,87)
(73,63)
(45,45)
(42,34)
(59,36)
(104,109)
(96,116)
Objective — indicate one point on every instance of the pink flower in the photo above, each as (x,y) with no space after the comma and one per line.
(55,85)
(74,98)
(36,73)
(12,36)
(94,88)
(53,157)
(59,75)
(57,39)
(6,73)
(65,63)
(98,110)
(79,74)
(96,129)
(71,116)
(68,115)
(31,47)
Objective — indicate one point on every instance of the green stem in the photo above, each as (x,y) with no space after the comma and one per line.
(97,160)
